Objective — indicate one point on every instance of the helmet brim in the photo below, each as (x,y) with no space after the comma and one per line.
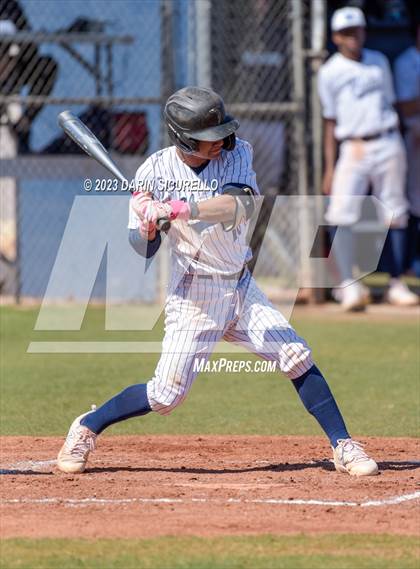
(214,133)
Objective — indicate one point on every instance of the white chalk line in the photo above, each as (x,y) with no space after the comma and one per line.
(40,465)
(273,501)
(28,465)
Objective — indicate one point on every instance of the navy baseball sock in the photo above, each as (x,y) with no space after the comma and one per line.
(319,401)
(398,242)
(131,402)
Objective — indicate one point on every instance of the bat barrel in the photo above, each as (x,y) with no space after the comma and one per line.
(65,116)
(88,142)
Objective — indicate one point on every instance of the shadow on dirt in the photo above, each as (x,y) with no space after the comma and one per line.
(283,467)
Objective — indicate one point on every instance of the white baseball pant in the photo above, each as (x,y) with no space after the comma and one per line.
(202,311)
(380,162)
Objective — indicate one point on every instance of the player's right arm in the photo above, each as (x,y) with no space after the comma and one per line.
(143,246)
(330,155)
(143,235)
(328,102)
(408,101)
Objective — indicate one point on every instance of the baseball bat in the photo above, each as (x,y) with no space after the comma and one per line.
(88,142)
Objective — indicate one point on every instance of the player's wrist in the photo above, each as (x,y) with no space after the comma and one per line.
(147,230)
(151,234)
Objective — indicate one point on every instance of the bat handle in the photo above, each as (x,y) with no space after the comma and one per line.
(163,224)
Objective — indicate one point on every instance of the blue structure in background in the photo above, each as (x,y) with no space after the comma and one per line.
(45,204)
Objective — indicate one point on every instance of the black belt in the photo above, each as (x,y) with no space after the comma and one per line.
(371,136)
(232,277)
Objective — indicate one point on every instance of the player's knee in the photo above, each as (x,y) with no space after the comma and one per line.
(342,216)
(164,397)
(399,220)
(295,358)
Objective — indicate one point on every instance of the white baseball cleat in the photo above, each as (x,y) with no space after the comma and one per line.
(350,457)
(352,295)
(400,295)
(74,453)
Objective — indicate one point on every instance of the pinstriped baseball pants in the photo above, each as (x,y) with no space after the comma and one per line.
(199,313)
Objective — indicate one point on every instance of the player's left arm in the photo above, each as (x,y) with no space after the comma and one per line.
(235,206)
(408,102)
(236,202)
(232,207)
(389,91)
(239,190)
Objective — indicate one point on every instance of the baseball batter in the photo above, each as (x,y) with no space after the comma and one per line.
(357,96)
(206,186)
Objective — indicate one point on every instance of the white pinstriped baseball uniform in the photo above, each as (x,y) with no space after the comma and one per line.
(203,306)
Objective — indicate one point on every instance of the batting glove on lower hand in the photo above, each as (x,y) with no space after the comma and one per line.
(179,210)
(173,209)
(150,210)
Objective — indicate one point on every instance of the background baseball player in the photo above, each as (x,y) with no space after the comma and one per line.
(212,294)
(357,96)
(407,85)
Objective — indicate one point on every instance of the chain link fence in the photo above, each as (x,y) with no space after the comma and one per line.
(261,64)
(114,64)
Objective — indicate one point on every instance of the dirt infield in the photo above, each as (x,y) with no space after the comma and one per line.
(206,485)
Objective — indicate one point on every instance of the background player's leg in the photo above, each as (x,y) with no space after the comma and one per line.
(396,247)
(351,178)
(388,179)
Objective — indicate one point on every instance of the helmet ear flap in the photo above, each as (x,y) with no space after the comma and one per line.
(186,145)
(229,142)
(193,144)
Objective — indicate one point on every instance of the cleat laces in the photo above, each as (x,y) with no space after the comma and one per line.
(352,451)
(82,442)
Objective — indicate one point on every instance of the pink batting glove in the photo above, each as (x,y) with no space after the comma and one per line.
(151,210)
(179,210)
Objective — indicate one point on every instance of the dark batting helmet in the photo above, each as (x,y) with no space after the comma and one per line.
(198,113)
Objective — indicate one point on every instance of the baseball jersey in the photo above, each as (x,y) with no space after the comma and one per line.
(407,79)
(205,248)
(358,95)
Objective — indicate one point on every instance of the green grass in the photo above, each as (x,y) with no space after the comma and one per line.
(372,367)
(245,552)
(382,280)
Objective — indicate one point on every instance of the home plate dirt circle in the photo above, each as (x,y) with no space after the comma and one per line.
(145,486)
